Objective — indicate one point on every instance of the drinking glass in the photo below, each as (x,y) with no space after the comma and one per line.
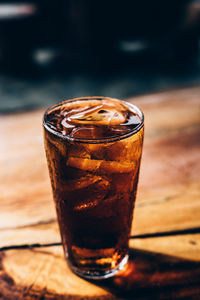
(94,176)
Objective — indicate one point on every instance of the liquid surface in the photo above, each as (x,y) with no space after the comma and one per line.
(93,119)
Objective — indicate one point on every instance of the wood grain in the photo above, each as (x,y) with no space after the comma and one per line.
(166,267)
(169,189)
(42,272)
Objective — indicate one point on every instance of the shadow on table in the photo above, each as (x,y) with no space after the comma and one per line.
(155,276)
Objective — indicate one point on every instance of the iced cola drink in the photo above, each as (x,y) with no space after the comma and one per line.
(93,147)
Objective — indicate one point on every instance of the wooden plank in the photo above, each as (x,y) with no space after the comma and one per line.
(169,189)
(25,190)
(37,234)
(185,246)
(159,268)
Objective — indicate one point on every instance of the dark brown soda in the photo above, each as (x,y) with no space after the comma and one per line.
(94,174)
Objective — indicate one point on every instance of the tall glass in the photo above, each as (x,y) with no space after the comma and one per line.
(94,176)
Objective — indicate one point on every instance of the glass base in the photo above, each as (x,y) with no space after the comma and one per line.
(97,275)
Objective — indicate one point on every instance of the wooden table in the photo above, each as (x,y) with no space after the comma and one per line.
(165,243)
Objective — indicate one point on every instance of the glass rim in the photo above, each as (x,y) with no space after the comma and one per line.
(93,141)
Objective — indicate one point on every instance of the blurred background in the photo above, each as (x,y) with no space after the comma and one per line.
(54,50)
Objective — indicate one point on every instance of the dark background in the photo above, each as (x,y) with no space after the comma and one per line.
(54,50)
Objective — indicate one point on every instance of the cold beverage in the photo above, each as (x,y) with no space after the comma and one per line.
(93,147)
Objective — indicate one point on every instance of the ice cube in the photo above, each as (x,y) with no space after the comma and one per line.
(128,149)
(91,191)
(84,164)
(78,150)
(97,151)
(84,192)
(99,115)
(82,182)
(102,166)
(117,167)
(82,115)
